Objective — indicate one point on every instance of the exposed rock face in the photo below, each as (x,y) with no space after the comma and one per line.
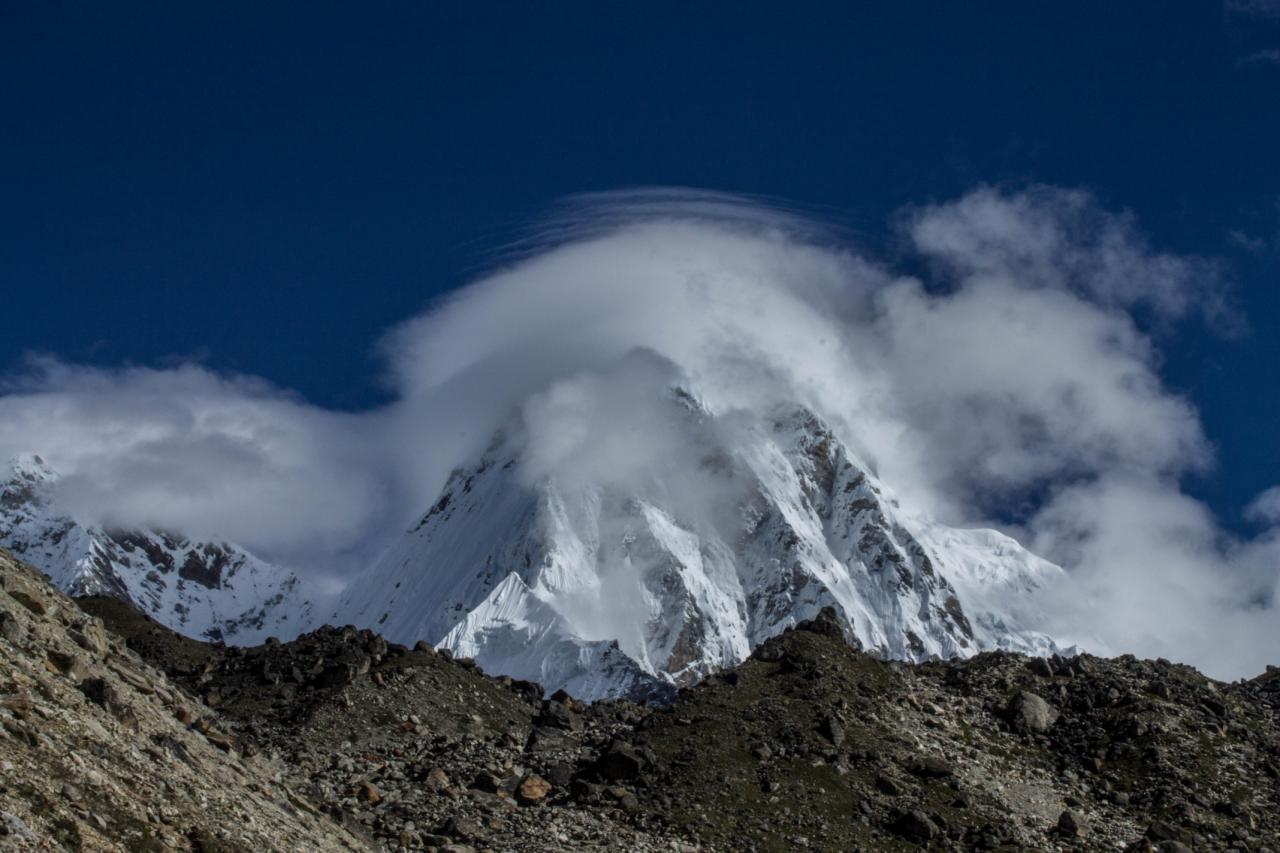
(212,590)
(606,591)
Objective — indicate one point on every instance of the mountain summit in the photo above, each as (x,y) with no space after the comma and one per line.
(620,536)
(206,589)
(610,586)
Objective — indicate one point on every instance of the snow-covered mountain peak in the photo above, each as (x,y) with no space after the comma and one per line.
(620,535)
(26,478)
(30,467)
(207,589)
(741,526)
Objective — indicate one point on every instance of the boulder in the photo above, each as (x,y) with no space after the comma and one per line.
(91,637)
(620,762)
(625,799)
(65,663)
(1161,830)
(9,627)
(1040,667)
(833,730)
(913,825)
(1027,712)
(488,782)
(29,600)
(932,767)
(460,826)
(560,774)
(1071,824)
(436,780)
(558,715)
(533,789)
(888,785)
(100,692)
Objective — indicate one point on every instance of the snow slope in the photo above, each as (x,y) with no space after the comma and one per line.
(210,590)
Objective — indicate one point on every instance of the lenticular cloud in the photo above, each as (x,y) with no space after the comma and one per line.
(1014,382)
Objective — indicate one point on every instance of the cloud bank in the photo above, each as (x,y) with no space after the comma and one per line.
(190,450)
(1011,378)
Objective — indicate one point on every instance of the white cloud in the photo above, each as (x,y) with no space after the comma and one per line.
(1253,8)
(1014,382)
(1265,507)
(1261,58)
(1245,241)
(1154,575)
(189,450)
(1009,388)
(1052,238)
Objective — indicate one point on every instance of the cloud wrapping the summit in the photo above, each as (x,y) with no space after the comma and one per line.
(1015,382)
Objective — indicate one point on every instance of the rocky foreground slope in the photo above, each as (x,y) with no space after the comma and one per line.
(148,740)
(100,751)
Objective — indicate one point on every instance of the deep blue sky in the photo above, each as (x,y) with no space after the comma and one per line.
(269,186)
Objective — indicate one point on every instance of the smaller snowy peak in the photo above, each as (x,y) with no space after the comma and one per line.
(205,589)
(32,526)
(26,481)
(29,467)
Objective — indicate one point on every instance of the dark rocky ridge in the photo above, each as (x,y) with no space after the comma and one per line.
(111,739)
(807,745)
